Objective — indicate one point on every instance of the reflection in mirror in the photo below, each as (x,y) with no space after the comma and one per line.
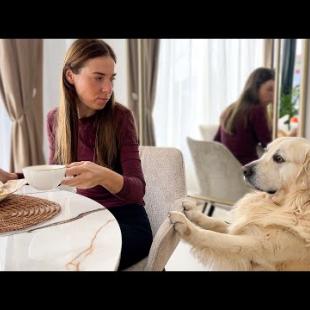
(289,87)
(290,80)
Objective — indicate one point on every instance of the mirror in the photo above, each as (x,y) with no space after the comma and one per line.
(291,62)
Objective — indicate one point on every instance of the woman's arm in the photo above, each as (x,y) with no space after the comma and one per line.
(7,176)
(134,184)
(87,174)
(130,184)
(260,124)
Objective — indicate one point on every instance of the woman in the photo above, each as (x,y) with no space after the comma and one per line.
(96,138)
(244,124)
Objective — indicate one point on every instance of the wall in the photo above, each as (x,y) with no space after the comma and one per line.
(53,57)
(121,83)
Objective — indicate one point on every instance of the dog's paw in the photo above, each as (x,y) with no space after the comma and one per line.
(190,210)
(189,205)
(180,222)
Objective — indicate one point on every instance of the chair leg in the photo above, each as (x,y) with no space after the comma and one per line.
(211,210)
(205,207)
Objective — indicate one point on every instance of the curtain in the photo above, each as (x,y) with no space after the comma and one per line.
(268,61)
(133,76)
(287,108)
(21,91)
(268,53)
(143,65)
(197,80)
(288,62)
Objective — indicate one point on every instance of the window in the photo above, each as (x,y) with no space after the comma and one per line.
(197,79)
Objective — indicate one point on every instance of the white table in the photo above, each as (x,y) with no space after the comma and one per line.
(91,242)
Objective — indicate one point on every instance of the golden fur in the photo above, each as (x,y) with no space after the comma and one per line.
(270,229)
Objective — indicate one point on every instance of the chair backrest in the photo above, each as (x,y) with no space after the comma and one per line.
(208,131)
(163,170)
(219,173)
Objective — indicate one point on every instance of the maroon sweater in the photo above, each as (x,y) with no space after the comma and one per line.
(244,142)
(129,163)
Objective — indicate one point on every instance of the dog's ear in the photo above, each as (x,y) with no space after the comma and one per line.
(303,177)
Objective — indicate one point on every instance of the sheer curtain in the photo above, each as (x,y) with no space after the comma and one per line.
(197,79)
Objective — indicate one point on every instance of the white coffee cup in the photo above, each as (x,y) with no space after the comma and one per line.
(44,177)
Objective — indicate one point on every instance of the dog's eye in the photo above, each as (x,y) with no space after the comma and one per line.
(278,158)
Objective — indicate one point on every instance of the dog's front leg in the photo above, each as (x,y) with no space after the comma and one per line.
(181,224)
(185,228)
(243,246)
(202,220)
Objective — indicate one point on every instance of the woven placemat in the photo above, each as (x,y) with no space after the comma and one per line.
(18,212)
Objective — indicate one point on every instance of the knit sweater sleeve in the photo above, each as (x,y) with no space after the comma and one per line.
(133,188)
(260,125)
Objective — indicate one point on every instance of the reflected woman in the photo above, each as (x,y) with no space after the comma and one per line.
(245,124)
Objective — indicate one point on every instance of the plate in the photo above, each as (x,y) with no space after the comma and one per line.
(10,187)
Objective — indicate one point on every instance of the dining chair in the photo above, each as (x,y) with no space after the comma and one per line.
(208,131)
(164,175)
(219,175)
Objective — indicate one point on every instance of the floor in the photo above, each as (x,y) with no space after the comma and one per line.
(182,259)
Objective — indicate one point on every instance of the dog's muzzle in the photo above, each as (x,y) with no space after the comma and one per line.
(248,170)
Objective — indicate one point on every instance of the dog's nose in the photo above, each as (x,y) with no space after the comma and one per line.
(248,170)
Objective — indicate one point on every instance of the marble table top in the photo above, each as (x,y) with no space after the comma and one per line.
(84,236)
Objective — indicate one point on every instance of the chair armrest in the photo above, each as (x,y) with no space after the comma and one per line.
(164,243)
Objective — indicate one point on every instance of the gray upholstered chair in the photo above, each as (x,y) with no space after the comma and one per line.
(163,170)
(208,131)
(219,174)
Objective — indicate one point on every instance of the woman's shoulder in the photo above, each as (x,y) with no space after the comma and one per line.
(125,120)
(226,112)
(258,115)
(51,115)
(121,111)
(258,110)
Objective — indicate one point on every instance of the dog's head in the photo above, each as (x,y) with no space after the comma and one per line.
(285,163)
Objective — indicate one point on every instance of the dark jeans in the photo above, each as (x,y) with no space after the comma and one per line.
(136,233)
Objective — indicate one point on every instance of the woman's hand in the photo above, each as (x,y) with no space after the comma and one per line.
(86,174)
(7,176)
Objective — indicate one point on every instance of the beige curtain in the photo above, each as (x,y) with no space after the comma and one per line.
(268,53)
(133,87)
(21,89)
(268,58)
(143,63)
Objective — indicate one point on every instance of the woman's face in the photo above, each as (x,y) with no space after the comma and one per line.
(93,84)
(266,92)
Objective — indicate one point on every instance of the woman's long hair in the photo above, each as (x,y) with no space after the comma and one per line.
(106,143)
(239,110)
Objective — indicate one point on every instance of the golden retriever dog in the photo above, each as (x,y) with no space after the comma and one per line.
(270,227)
